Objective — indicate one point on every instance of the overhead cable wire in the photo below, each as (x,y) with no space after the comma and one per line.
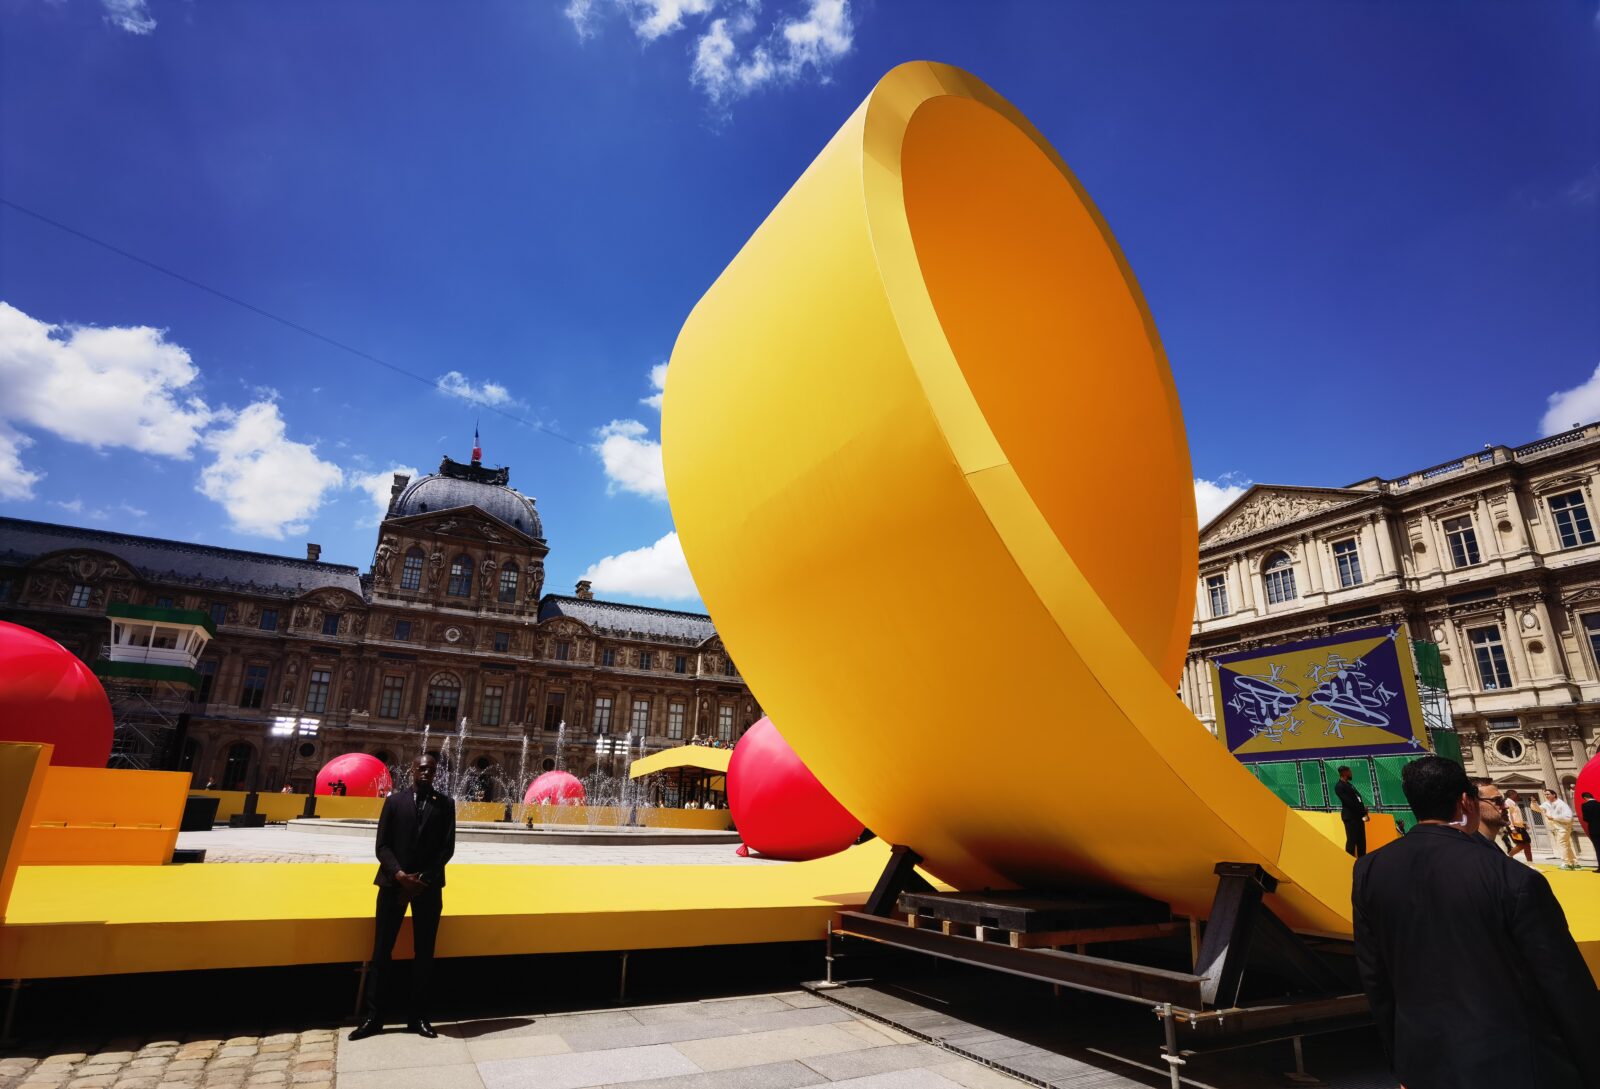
(270,316)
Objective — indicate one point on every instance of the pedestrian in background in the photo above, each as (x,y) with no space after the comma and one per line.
(1558,817)
(1591,819)
(1353,811)
(1491,810)
(1472,973)
(1517,827)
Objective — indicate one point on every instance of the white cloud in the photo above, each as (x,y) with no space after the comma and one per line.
(658,382)
(118,386)
(15,481)
(632,460)
(130,15)
(269,485)
(378,487)
(653,19)
(581,12)
(658,570)
(456,384)
(1211,497)
(74,506)
(1568,408)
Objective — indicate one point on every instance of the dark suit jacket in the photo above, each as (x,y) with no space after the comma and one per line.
(1473,975)
(1590,812)
(415,845)
(1350,803)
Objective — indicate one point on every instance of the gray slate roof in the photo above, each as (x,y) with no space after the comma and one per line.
(22,542)
(635,621)
(436,493)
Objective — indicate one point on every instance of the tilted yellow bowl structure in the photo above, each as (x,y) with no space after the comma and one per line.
(928,466)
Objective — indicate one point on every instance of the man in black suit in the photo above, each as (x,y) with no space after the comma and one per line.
(1473,975)
(416,837)
(1590,811)
(1353,811)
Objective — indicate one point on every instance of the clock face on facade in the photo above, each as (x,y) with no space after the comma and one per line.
(452,635)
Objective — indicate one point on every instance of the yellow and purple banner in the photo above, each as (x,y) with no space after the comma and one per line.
(1321,698)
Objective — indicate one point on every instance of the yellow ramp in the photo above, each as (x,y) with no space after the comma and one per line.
(924,419)
(703,757)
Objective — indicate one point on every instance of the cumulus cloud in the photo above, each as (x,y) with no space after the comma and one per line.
(632,459)
(658,382)
(16,482)
(657,571)
(1566,409)
(130,15)
(378,486)
(456,384)
(1211,497)
(735,53)
(269,485)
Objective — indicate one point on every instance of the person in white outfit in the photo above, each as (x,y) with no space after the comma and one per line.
(1558,816)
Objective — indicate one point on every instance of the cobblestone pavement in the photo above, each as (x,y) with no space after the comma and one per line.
(294,1060)
(277,843)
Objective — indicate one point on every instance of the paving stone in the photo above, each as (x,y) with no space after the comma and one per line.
(875,1035)
(137,1083)
(226,1062)
(641,1035)
(186,1064)
(281,1038)
(147,1061)
(237,1041)
(270,1077)
(233,1051)
(460,1076)
(103,1057)
(973,1076)
(94,1081)
(515,1047)
(875,1060)
(802,1000)
(65,1057)
(397,1050)
(277,1047)
(899,1079)
(735,1007)
(789,1018)
(786,1075)
(266,1066)
(576,1069)
(314,1077)
(756,1048)
(94,1069)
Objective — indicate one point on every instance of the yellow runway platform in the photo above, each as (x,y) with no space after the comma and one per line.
(100,920)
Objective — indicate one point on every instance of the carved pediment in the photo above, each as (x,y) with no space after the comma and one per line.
(1263,507)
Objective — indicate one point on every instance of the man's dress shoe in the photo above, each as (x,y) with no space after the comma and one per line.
(369,1027)
(423,1029)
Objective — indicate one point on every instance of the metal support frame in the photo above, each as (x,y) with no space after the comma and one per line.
(361,988)
(900,875)
(1239,921)
(14,986)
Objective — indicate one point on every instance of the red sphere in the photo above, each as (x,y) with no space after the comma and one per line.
(1588,780)
(47,694)
(779,807)
(363,776)
(555,788)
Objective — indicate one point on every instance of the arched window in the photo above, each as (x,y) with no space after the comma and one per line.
(411,572)
(444,700)
(237,769)
(1278,572)
(461,576)
(508,582)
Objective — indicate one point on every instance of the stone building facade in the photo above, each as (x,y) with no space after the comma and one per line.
(312,660)
(1493,556)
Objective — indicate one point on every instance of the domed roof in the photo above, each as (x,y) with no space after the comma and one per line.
(458,485)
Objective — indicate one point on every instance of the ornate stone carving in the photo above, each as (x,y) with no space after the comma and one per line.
(1271,509)
(384,560)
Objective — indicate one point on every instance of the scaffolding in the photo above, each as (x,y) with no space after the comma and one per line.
(148,670)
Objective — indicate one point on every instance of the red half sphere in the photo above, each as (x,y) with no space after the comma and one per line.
(778,806)
(363,776)
(1588,781)
(47,694)
(555,788)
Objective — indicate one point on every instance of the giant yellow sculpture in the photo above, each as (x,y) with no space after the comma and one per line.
(928,466)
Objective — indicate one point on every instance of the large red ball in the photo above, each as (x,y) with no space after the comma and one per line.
(1588,780)
(555,788)
(363,776)
(778,806)
(47,694)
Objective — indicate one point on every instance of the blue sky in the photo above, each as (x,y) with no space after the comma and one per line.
(1368,232)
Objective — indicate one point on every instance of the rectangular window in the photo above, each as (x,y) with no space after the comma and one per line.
(645,658)
(219,612)
(680,664)
(508,584)
(1502,724)
(330,623)
(725,722)
(729,669)
(394,694)
(411,571)
(608,657)
(80,597)
(402,631)
(1217,591)
(163,603)
(502,641)
(1348,561)
(1280,583)
(1591,628)
(493,699)
(254,690)
(208,674)
(641,717)
(317,691)
(554,710)
(269,619)
(563,650)
(1572,519)
(602,714)
(1463,540)
(675,720)
(1490,655)
(444,701)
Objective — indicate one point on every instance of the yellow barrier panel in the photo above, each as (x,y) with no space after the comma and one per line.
(22,771)
(1381,828)
(336,807)
(913,377)
(106,815)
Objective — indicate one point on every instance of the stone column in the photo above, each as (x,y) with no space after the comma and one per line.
(1488,536)
(1311,560)
(1479,760)
(1245,581)
(1511,635)
(1547,762)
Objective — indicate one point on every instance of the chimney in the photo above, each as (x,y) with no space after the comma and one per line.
(400,482)
(585,591)
(313,552)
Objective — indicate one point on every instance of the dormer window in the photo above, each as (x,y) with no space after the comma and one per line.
(461,576)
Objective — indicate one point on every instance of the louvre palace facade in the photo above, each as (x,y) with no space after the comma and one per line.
(311,660)
(1493,556)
